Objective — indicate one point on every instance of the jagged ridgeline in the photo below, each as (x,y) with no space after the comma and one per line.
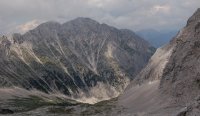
(79,58)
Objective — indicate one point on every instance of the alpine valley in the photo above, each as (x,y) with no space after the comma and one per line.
(80,61)
(84,68)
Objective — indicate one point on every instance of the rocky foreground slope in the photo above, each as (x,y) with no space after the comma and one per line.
(80,59)
(170,84)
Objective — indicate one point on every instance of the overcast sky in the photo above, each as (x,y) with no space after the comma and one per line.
(22,15)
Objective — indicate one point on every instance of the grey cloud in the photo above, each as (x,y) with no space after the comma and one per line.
(131,14)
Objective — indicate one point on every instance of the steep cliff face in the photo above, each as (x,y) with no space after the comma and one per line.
(153,71)
(80,58)
(182,73)
(169,84)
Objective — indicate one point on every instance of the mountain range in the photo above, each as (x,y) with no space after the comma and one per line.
(81,59)
(55,69)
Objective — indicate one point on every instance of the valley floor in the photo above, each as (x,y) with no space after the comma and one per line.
(141,100)
(146,100)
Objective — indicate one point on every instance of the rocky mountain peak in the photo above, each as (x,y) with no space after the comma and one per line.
(80,58)
(81,23)
(84,20)
(195,18)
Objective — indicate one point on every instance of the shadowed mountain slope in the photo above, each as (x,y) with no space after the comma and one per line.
(80,59)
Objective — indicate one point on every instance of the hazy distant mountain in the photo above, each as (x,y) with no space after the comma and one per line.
(170,83)
(80,59)
(157,38)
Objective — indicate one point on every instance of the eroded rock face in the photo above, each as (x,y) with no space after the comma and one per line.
(182,73)
(177,63)
(175,67)
(80,58)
